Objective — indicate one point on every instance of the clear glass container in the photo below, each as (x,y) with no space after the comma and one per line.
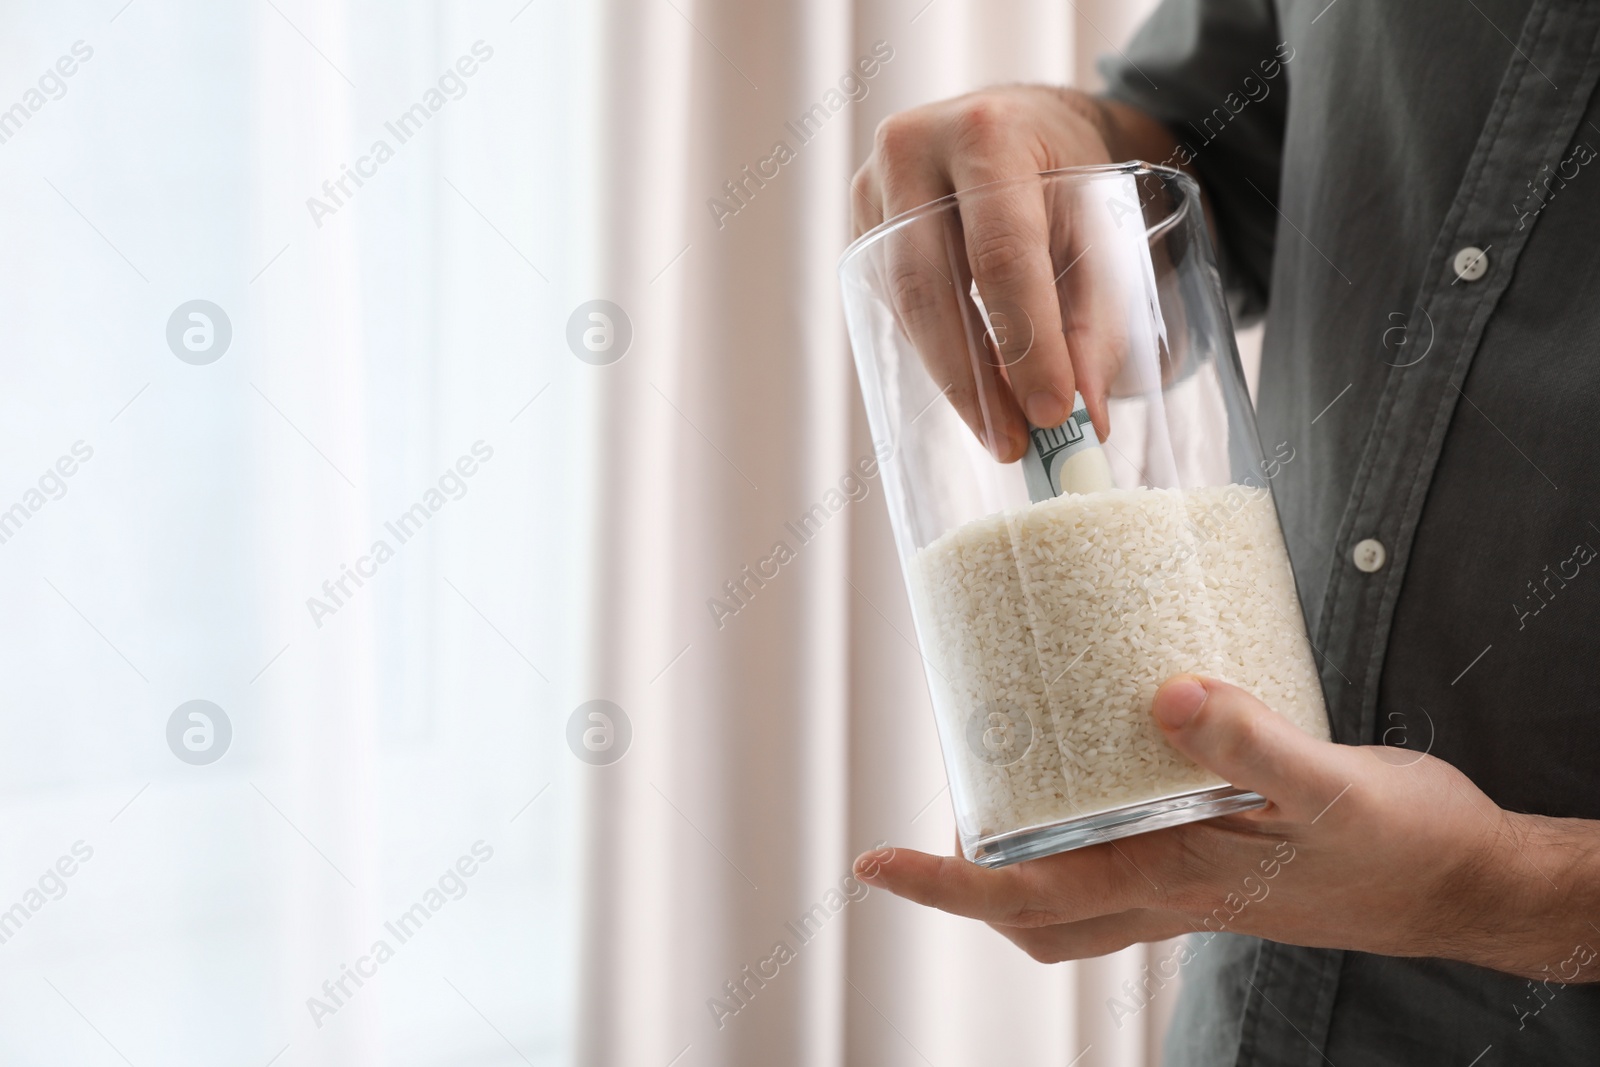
(1052,596)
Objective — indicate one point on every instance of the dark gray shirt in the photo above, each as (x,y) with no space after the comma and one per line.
(1410,192)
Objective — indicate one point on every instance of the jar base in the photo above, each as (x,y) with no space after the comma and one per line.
(1036,841)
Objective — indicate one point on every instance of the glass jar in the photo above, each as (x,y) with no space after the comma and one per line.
(1053,596)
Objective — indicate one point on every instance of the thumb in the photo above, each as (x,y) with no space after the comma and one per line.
(1231,733)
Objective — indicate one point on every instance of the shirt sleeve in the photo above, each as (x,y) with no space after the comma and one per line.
(1216,73)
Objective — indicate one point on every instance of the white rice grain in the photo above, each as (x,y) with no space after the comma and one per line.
(1053,625)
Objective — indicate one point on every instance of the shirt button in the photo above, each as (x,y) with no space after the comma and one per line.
(1471,263)
(1369,555)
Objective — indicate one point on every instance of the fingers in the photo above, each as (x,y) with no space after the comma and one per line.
(866,210)
(1056,326)
(1007,243)
(1066,907)
(1226,730)
(928,281)
(947,883)
(1092,284)
(1095,937)
(1069,887)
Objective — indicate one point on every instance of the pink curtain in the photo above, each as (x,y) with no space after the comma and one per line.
(777,735)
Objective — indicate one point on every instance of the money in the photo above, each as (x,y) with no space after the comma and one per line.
(1065,458)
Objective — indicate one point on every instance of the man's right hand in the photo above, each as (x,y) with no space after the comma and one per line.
(1020,245)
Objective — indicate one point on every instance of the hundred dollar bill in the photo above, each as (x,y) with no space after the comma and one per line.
(1065,458)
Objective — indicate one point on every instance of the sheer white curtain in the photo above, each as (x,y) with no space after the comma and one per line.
(397,343)
(772,744)
(387,336)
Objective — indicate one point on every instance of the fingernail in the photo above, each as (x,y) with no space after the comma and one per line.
(999,445)
(1005,446)
(869,864)
(1177,701)
(1045,409)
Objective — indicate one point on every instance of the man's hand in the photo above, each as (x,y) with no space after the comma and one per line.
(1019,247)
(1377,849)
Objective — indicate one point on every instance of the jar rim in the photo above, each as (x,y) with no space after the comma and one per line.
(1082,174)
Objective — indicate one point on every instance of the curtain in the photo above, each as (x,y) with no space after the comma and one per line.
(379,735)
(779,726)
(546,281)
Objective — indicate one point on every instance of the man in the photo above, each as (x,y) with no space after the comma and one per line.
(1403,189)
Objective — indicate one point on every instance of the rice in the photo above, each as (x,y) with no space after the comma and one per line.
(1048,630)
